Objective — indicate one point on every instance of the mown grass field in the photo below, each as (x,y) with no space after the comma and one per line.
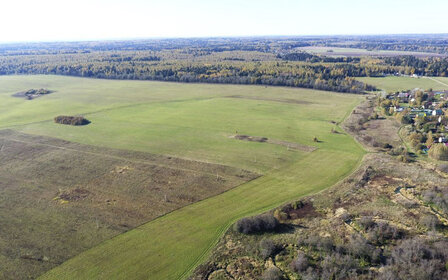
(393,84)
(191,121)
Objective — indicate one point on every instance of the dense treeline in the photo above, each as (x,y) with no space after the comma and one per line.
(303,56)
(426,67)
(334,77)
(416,43)
(259,61)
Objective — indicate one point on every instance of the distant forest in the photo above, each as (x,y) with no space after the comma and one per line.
(259,61)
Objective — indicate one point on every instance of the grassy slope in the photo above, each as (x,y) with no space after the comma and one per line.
(189,121)
(392,84)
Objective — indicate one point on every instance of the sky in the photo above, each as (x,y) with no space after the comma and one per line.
(72,20)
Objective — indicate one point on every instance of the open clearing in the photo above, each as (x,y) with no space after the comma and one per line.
(393,84)
(188,121)
(337,51)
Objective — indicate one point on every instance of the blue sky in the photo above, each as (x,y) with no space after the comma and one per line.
(50,20)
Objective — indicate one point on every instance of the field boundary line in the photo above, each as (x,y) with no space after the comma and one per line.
(435,80)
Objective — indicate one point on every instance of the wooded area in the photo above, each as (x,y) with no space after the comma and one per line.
(260,61)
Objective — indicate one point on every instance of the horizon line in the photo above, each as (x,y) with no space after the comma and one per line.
(215,37)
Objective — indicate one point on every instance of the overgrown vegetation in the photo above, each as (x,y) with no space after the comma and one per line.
(258,224)
(71,120)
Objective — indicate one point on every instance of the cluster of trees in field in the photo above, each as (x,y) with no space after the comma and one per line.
(71,120)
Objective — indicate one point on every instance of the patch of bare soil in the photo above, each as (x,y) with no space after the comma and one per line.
(289,145)
(251,138)
(54,193)
(73,194)
(282,100)
(32,93)
(306,210)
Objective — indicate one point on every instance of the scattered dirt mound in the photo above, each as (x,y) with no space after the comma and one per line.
(121,169)
(71,120)
(293,146)
(289,145)
(32,93)
(251,138)
(73,194)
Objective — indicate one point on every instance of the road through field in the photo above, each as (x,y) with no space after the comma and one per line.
(437,81)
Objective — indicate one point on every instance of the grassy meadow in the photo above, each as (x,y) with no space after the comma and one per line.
(393,84)
(191,121)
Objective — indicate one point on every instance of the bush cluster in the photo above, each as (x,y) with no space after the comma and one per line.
(438,197)
(415,259)
(257,224)
(71,120)
(439,152)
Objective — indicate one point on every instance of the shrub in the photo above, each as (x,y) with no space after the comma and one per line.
(280,215)
(256,224)
(324,244)
(366,222)
(443,168)
(429,221)
(337,266)
(397,151)
(382,233)
(71,120)
(437,196)
(272,273)
(415,138)
(300,263)
(268,248)
(404,118)
(374,116)
(413,259)
(439,152)
(387,146)
(358,247)
(404,158)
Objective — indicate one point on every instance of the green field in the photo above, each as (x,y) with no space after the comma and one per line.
(192,121)
(392,84)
